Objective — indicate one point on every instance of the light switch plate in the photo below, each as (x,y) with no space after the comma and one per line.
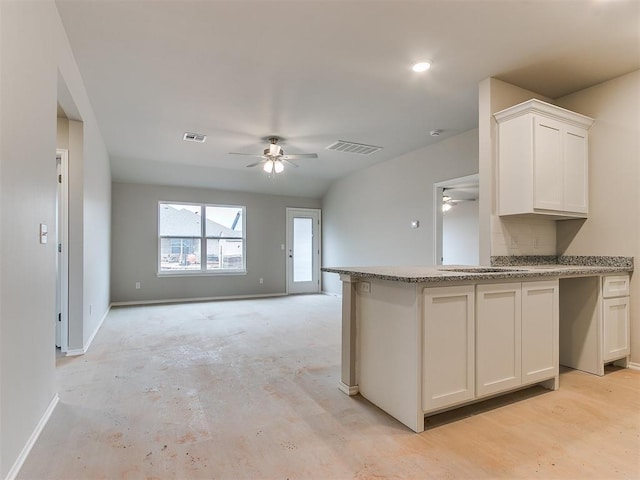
(44,231)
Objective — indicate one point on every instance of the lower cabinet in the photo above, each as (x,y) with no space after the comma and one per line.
(615,317)
(448,345)
(540,344)
(516,335)
(498,338)
(484,340)
(594,322)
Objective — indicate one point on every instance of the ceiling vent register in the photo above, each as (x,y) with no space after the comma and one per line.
(351,147)
(194,137)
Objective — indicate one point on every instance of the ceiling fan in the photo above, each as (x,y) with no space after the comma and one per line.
(273,157)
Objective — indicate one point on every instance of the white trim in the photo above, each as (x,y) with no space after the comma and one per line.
(17,465)
(203,242)
(633,366)
(95,332)
(75,352)
(198,273)
(62,258)
(85,348)
(197,299)
(291,213)
(349,390)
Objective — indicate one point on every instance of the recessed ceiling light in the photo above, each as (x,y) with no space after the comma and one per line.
(435,133)
(421,67)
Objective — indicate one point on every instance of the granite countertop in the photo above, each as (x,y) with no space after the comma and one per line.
(457,273)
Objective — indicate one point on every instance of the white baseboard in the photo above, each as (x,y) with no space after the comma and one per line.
(633,366)
(17,465)
(95,332)
(75,352)
(349,390)
(198,299)
(331,294)
(85,348)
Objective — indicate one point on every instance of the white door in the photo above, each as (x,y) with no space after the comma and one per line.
(303,250)
(62,258)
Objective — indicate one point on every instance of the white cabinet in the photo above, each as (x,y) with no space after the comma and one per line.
(516,335)
(448,345)
(615,317)
(540,306)
(542,161)
(498,334)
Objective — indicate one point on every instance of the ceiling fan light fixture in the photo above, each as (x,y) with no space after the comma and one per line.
(278,166)
(268,166)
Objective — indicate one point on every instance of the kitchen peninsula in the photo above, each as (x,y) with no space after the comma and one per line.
(420,340)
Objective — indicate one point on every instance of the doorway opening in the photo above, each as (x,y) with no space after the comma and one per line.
(303,250)
(456,221)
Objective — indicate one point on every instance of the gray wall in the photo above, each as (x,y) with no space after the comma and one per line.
(614,175)
(34,53)
(135,244)
(460,234)
(367,215)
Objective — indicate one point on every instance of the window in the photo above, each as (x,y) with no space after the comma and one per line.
(190,245)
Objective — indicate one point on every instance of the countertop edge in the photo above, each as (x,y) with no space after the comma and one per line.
(562,271)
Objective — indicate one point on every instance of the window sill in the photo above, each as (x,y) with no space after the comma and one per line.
(200,274)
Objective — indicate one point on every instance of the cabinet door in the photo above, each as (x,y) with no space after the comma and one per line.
(540,306)
(547,164)
(616,328)
(498,338)
(448,346)
(575,174)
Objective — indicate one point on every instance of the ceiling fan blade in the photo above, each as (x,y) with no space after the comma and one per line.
(297,156)
(247,154)
(256,163)
(284,160)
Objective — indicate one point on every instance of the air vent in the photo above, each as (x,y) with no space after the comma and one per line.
(194,137)
(351,147)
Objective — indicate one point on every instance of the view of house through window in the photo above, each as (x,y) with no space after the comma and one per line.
(189,244)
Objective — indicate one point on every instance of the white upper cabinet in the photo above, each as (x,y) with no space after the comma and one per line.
(542,161)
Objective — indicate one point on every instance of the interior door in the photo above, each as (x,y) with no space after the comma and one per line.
(303,250)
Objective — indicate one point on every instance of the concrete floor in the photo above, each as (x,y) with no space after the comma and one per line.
(248,389)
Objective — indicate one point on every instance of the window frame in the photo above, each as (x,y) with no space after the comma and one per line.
(203,271)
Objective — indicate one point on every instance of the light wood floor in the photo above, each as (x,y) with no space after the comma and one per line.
(248,389)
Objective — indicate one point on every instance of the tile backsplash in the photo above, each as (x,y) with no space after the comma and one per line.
(522,236)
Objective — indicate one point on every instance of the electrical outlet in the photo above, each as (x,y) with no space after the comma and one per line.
(137,285)
(261,281)
(365,287)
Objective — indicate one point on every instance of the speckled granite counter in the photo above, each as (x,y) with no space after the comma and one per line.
(458,273)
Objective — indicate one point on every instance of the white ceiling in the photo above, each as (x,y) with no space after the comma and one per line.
(314,72)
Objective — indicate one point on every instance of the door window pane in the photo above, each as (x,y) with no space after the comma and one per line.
(302,249)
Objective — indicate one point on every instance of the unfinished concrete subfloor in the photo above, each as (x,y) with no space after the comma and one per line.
(249,389)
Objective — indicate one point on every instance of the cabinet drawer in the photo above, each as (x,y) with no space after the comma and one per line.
(615,286)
